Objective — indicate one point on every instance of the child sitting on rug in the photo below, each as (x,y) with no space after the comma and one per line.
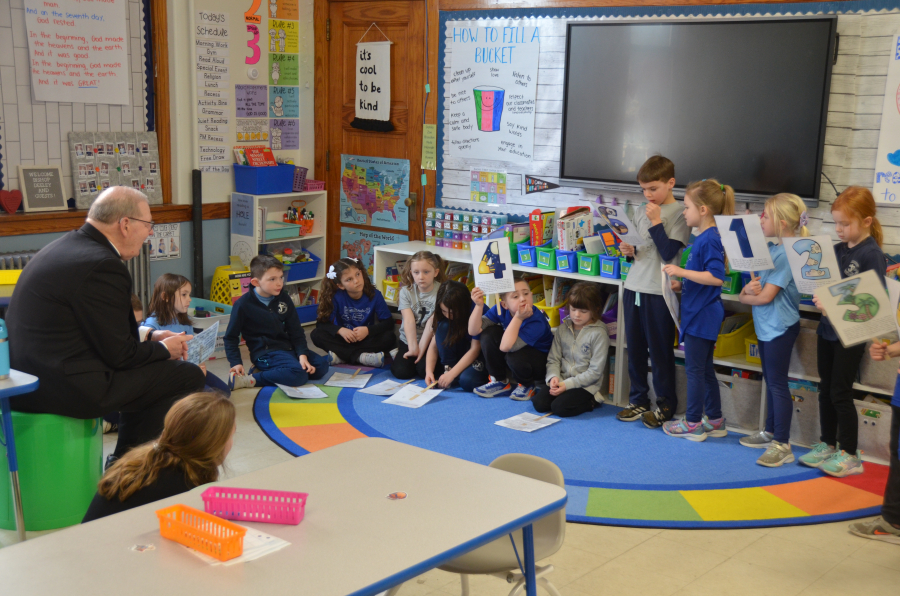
(169,312)
(514,334)
(453,353)
(577,358)
(354,324)
(422,276)
(267,320)
(197,435)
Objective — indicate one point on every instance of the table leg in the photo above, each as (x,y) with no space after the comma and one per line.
(13,467)
(528,543)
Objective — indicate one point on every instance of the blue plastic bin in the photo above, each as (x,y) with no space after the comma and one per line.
(528,254)
(567,260)
(609,267)
(307,314)
(305,270)
(264,180)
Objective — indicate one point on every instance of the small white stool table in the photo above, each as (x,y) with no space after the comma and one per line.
(17,384)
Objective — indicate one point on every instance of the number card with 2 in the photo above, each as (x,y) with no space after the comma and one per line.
(812,261)
(744,242)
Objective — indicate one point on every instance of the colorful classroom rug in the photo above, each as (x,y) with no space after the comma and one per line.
(616,473)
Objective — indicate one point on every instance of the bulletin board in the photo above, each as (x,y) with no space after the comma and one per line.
(36,132)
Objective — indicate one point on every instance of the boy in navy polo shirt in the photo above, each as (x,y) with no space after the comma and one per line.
(514,334)
(267,320)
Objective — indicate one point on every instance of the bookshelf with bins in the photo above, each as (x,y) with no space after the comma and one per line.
(249,237)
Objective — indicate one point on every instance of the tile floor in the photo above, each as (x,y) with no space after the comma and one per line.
(820,560)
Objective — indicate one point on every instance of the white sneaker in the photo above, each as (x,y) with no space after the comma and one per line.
(394,353)
(335,359)
(373,359)
(760,440)
(776,455)
(236,381)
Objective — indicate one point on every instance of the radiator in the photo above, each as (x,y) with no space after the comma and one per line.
(139,268)
(16,260)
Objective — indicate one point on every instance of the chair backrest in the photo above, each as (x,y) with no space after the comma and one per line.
(550,532)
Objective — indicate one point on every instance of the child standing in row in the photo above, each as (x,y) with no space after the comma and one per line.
(859,250)
(514,334)
(268,322)
(577,358)
(648,325)
(453,353)
(422,276)
(353,324)
(701,310)
(776,316)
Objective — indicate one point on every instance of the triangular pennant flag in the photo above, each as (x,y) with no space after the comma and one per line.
(533,185)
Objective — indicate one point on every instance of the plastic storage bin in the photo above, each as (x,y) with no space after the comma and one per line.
(264,180)
(304,270)
(589,264)
(567,260)
(609,267)
(202,531)
(311,185)
(277,230)
(299,178)
(732,344)
(221,313)
(307,314)
(546,258)
(527,255)
(624,267)
(732,283)
(255,505)
(752,352)
(391,290)
(552,312)
(741,401)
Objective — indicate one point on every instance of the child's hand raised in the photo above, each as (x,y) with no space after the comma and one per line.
(627,249)
(524,312)
(348,335)
(653,214)
(478,296)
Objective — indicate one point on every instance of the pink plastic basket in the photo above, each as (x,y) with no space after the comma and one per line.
(254,505)
(314,185)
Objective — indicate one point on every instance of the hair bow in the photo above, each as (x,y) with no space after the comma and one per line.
(804,219)
(354,260)
(332,274)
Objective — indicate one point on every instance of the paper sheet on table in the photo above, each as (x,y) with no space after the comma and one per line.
(412,396)
(492,266)
(256,544)
(527,422)
(858,308)
(744,242)
(203,345)
(339,379)
(386,388)
(615,217)
(303,392)
(671,298)
(813,262)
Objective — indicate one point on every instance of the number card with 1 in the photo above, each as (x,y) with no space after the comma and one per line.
(858,308)
(813,262)
(744,242)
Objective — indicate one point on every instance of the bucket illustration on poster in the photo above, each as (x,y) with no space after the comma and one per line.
(488,107)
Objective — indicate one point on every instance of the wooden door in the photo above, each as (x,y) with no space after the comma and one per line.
(404,24)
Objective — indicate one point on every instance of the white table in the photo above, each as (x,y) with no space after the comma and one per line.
(353,540)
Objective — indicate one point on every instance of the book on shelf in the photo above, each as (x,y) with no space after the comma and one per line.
(259,156)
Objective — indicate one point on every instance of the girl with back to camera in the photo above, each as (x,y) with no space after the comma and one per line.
(701,310)
(354,324)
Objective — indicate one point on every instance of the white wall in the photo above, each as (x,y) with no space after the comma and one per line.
(218,187)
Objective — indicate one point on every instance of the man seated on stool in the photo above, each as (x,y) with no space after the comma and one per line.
(71,324)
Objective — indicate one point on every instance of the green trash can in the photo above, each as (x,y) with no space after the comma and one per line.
(60,464)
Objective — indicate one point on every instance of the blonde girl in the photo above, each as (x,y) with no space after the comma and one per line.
(701,309)
(776,315)
(422,276)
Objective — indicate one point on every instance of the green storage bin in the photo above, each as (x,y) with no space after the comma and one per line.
(624,267)
(514,250)
(589,264)
(685,254)
(732,283)
(60,464)
(546,258)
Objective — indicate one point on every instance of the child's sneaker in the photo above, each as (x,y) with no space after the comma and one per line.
(523,393)
(776,455)
(714,428)
(632,412)
(657,417)
(335,359)
(760,440)
(877,529)
(394,353)
(817,455)
(494,388)
(236,381)
(684,429)
(373,359)
(842,464)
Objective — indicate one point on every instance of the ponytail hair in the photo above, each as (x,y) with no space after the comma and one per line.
(434,260)
(330,286)
(791,210)
(857,202)
(710,193)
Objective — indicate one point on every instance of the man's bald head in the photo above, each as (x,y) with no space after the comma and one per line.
(117,202)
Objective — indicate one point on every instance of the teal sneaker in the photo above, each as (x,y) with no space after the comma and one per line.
(817,455)
(684,429)
(715,428)
(843,464)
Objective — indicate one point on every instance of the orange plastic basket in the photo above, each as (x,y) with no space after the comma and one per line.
(202,532)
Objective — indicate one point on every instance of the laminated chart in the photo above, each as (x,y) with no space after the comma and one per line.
(373,191)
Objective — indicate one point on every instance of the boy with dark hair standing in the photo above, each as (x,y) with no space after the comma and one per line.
(267,320)
(649,327)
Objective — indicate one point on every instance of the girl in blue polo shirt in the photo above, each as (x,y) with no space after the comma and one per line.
(701,310)
(776,316)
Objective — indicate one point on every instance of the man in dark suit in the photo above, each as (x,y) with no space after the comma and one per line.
(71,325)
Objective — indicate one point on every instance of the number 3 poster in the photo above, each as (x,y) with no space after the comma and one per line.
(858,308)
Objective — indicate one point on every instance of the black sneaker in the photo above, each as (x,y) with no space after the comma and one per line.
(110,460)
(656,418)
(632,413)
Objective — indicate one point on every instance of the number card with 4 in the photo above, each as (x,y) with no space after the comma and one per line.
(744,242)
